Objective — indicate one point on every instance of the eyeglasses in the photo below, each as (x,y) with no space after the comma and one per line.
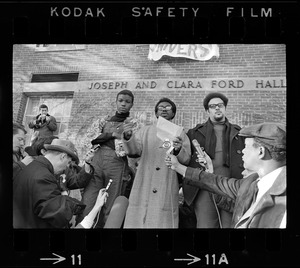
(161,108)
(214,106)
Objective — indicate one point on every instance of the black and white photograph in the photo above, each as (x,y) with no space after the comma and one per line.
(149,133)
(149,136)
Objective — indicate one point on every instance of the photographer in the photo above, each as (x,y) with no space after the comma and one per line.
(44,123)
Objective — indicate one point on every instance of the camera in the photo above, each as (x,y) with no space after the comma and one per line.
(42,120)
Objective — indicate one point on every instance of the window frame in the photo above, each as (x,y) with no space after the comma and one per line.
(44,98)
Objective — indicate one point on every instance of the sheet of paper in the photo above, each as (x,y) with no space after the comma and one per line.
(167,129)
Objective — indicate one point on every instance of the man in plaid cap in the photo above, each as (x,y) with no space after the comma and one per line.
(260,198)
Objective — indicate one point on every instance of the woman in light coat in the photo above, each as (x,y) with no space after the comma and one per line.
(153,201)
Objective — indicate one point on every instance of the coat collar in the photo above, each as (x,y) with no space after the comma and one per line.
(278,188)
(234,129)
(46,163)
(267,200)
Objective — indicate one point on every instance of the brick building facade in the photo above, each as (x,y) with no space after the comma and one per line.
(253,77)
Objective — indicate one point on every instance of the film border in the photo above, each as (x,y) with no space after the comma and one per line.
(155,247)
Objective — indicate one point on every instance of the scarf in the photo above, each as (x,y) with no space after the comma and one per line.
(210,141)
(118,117)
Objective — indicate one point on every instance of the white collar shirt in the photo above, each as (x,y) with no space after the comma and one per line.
(263,184)
(266,182)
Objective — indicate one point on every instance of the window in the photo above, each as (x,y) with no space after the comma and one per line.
(57,47)
(62,77)
(59,107)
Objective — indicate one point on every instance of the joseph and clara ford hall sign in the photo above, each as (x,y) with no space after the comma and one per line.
(215,84)
(192,84)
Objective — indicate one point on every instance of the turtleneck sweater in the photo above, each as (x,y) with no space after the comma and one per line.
(219,168)
(106,138)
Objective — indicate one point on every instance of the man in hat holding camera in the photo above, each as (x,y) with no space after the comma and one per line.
(223,145)
(260,198)
(38,202)
(44,123)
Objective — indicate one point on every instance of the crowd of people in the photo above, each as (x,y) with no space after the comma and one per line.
(236,179)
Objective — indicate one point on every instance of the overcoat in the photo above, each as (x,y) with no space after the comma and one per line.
(236,145)
(270,209)
(153,201)
(37,198)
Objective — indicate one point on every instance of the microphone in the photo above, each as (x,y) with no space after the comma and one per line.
(117,213)
(199,150)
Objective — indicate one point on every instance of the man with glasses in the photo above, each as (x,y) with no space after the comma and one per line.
(223,145)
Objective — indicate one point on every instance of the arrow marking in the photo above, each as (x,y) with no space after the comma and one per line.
(59,259)
(195,259)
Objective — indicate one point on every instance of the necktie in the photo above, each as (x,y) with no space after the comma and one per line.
(255,191)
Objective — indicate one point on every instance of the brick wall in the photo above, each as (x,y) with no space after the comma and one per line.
(111,62)
(19,103)
(121,62)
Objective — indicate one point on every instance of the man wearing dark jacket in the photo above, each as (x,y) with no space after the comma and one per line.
(110,160)
(44,123)
(75,177)
(37,198)
(223,145)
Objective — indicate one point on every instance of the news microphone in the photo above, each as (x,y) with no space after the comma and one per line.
(199,150)
(96,147)
(109,183)
(117,213)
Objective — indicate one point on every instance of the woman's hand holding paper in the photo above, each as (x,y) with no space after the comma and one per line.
(177,143)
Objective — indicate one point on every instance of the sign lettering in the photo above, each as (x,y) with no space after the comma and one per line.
(194,52)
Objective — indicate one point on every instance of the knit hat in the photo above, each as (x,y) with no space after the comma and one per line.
(166,100)
(213,95)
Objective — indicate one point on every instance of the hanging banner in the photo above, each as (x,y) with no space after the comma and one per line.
(194,51)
